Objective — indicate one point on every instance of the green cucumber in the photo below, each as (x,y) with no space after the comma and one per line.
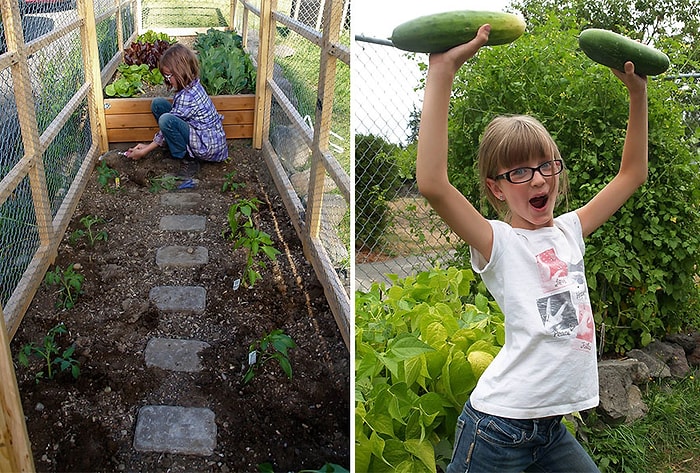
(442,31)
(614,50)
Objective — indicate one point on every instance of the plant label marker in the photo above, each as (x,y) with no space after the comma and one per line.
(236,284)
(252,357)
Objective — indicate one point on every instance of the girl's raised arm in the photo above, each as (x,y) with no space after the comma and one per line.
(431,165)
(633,167)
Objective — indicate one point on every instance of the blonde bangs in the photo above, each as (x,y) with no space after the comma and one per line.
(515,140)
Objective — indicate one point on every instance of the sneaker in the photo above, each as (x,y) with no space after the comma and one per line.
(188,168)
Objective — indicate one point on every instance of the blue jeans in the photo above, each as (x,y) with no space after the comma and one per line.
(486,443)
(175,130)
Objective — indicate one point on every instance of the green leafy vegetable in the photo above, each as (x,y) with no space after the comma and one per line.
(421,346)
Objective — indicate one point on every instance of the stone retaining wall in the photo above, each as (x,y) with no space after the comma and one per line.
(620,380)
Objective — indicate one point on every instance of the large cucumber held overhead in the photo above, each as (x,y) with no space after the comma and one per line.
(614,50)
(441,31)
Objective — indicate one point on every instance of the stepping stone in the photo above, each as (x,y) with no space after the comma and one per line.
(184,199)
(181,256)
(183,223)
(191,299)
(174,355)
(173,429)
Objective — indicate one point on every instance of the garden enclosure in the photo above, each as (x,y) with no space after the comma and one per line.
(56,58)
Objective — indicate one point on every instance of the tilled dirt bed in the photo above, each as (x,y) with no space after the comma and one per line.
(88,423)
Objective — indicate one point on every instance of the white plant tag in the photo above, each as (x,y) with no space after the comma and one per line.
(236,284)
(252,357)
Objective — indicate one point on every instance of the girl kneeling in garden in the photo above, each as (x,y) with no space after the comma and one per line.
(191,127)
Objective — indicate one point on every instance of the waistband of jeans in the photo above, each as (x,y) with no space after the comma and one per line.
(540,420)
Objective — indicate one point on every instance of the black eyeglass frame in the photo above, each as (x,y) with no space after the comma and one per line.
(553,163)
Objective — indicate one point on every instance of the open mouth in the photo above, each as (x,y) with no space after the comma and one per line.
(539,202)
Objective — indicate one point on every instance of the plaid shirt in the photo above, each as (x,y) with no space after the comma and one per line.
(207,136)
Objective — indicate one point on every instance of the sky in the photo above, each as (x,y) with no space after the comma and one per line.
(383,93)
(378,18)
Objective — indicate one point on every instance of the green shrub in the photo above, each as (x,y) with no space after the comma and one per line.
(376,182)
(420,347)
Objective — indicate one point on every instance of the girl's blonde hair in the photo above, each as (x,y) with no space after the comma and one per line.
(183,64)
(509,142)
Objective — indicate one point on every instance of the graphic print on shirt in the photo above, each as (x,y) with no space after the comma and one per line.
(565,310)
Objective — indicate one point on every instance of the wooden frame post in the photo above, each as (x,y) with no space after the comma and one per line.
(266,57)
(15,451)
(324,111)
(232,15)
(91,62)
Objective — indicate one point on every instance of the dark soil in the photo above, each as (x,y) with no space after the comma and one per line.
(87,424)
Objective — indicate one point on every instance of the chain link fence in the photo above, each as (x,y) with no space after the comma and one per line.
(396,232)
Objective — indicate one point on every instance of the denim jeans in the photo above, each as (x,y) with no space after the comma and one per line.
(486,443)
(175,130)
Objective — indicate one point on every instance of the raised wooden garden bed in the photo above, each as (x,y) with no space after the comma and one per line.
(131,120)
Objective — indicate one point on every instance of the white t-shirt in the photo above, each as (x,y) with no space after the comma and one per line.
(548,364)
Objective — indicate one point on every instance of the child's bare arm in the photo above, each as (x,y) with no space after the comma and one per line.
(633,167)
(141,150)
(431,165)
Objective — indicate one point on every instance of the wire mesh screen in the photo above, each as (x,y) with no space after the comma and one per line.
(46,135)
(11,146)
(691,84)
(296,75)
(19,237)
(396,232)
(185,14)
(64,155)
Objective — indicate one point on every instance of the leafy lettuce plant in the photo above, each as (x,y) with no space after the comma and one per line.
(147,49)
(226,69)
(131,80)
(421,345)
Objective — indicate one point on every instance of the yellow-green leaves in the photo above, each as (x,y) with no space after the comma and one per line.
(420,347)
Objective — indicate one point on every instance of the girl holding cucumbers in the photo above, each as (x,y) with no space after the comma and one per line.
(532,263)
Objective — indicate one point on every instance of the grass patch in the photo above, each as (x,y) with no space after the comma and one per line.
(667,440)
(183,14)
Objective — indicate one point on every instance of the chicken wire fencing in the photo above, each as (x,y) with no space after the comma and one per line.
(296,75)
(396,232)
(47,129)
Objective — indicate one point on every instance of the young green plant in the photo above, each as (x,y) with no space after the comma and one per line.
(92,234)
(55,360)
(257,243)
(161,183)
(107,177)
(273,346)
(240,215)
(230,183)
(131,80)
(70,284)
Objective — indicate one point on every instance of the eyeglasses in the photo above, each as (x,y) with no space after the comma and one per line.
(525,174)
(167,77)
